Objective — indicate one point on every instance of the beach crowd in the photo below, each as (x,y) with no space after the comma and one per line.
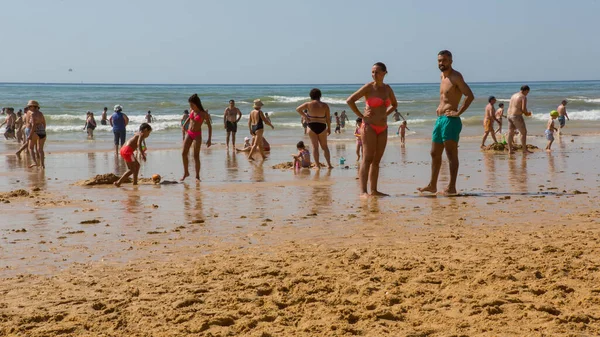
(28,128)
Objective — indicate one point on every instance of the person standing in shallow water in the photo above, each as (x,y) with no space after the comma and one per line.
(231,117)
(446,132)
(380,102)
(256,122)
(104,117)
(516,109)
(118,122)
(317,116)
(37,135)
(196,118)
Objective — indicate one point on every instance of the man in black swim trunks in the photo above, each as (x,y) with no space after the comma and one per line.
(104,119)
(231,117)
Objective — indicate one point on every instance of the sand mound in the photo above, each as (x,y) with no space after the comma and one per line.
(504,147)
(101,179)
(110,178)
(15,194)
(290,165)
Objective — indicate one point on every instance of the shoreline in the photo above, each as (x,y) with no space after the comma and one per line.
(257,251)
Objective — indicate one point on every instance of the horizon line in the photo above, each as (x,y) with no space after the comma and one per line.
(267,84)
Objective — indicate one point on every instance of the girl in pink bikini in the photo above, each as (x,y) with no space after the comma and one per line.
(194,134)
(380,103)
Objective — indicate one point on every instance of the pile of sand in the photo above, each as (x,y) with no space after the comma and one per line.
(290,165)
(504,147)
(101,179)
(110,178)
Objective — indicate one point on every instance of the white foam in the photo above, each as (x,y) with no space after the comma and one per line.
(288,99)
(586,115)
(583,99)
(297,99)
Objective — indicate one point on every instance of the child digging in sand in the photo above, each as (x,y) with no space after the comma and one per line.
(137,142)
(302,159)
(550,128)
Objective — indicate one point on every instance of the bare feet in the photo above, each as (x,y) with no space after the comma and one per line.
(379,194)
(197,178)
(116,183)
(525,151)
(448,192)
(364,195)
(32,165)
(330,166)
(427,189)
(185,175)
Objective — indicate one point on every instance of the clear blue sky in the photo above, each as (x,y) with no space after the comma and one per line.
(286,41)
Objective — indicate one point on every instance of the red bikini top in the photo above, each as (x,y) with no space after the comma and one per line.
(375,102)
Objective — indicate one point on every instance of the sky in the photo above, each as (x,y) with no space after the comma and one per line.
(295,42)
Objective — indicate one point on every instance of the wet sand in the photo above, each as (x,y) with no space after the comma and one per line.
(254,251)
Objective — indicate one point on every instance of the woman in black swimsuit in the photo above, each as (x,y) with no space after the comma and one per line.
(318,117)
(256,125)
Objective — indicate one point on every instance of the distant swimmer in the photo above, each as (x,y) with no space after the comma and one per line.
(402,131)
(197,117)
(135,143)
(149,117)
(90,124)
(118,122)
(380,102)
(185,123)
(446,132)
(499,116)
(231,117)
(516,109)
(488,121)
(304,124)
(396,116)
(343,119)
(338,124)
(317,116)
(103,118)
(37,135)
(19,129)
(10,123)
(256,122)
(562,114)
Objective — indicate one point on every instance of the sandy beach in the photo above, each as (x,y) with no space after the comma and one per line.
(256,251)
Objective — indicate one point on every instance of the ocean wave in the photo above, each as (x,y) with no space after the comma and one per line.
(132,127)
(585,115)
(298,99)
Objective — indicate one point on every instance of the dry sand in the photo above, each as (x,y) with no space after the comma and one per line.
(518,254)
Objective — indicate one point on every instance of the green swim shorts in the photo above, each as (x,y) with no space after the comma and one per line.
(446,128)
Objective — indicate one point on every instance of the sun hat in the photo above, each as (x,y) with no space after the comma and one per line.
(554,113)
(258,103)
(33,103)
(118,108)
(246,139)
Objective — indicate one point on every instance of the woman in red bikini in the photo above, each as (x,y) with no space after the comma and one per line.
(316,113)
(194,134)
(380,103)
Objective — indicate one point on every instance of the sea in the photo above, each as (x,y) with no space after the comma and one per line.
(65,107)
